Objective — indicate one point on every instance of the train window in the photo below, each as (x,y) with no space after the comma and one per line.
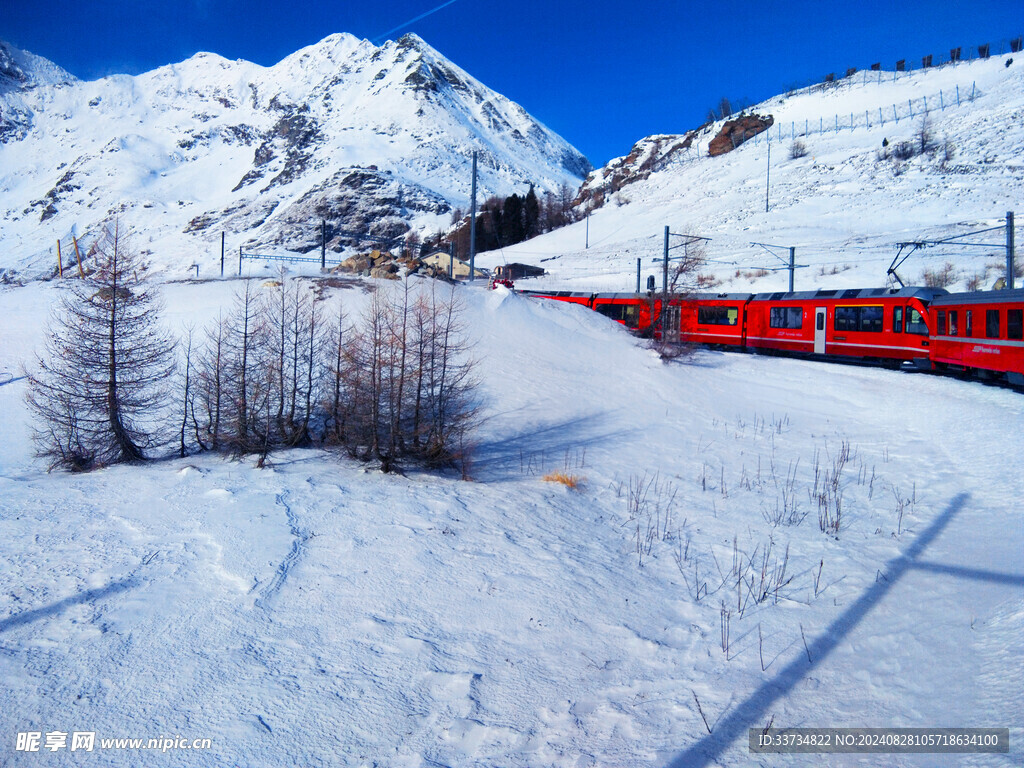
(992,323)
(940,323)
(717,315)
(867,319)
(916,323)
(821,321)
(871,319)
(846,319)
(786,317)
(628,314)
(952,323)
(631,316)
(968,317)
(1014,323)
(897,319)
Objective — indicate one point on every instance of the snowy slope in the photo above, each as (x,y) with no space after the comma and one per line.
(844,206)
(367,138)
(315,613)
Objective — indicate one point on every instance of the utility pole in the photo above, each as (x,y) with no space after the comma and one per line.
(792,266)
(588,230)
(664,267)
(323,244)
(472,225)
(637,275)
(1009,250)
(222,254)
(768,176)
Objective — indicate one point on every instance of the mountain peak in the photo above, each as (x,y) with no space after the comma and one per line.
(21,69)
(411,40)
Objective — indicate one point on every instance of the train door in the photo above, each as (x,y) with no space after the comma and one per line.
(819,330)
(671,334)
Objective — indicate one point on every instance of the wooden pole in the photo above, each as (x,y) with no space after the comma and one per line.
(60,261)
(78,255)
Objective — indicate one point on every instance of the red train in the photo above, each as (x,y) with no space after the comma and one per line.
(978,333)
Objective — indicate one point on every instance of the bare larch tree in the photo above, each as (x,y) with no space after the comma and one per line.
(99,391)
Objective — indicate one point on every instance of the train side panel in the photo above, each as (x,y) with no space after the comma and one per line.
(868,324)
(891,328)
(713,319)
(982,331)
(781,325)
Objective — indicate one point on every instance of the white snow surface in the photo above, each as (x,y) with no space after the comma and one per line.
(317,612)
(843,206)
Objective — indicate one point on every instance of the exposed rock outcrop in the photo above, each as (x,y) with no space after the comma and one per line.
(737,131)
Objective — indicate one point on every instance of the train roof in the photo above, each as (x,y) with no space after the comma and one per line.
(1015,295)
(534,292)
(722,296)
(917,292)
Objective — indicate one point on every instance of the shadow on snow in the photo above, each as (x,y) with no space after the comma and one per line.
(540,448)
(88,596)
(751,712)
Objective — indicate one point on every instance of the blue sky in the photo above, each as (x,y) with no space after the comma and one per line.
(601,75)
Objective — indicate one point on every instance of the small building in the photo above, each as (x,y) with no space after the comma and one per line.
(517,271)
(457,268)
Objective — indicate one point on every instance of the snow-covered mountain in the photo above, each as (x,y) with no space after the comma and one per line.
(369,138)
(848,182)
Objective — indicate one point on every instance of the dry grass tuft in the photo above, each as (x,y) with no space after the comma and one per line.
(569,481)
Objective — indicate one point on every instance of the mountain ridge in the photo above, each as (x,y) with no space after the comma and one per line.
(367,138)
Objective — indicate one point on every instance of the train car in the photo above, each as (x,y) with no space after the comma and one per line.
(871,324)
(710,319)
(630,309)
(981,333)
(715,319)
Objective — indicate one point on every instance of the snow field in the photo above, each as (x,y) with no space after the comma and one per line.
(318,613)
